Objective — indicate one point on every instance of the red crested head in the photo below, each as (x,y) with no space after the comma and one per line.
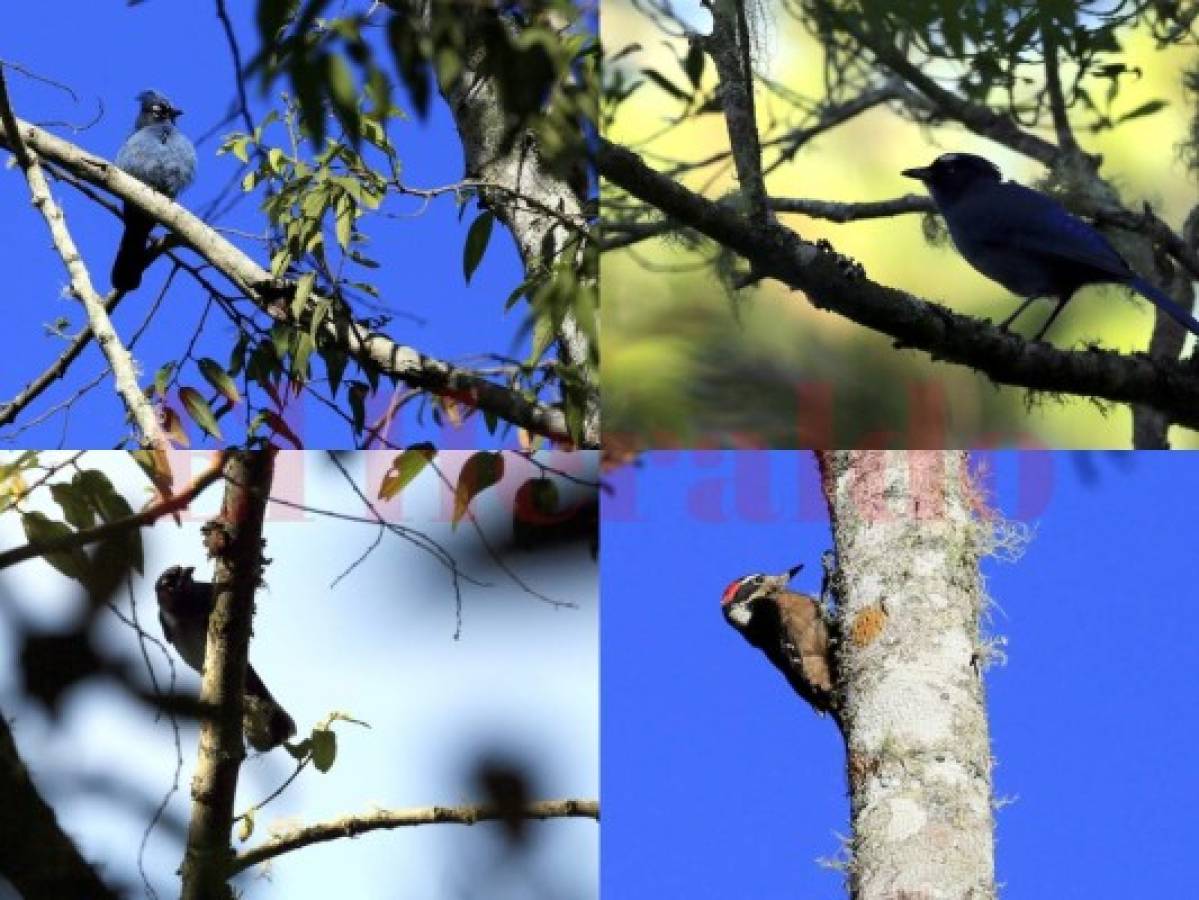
(730,592)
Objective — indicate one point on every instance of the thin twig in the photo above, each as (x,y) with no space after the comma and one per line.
(352,826)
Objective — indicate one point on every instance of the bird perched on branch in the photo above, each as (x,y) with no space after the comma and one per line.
(158,154)
(1026,240)
(184,605)
(790,628)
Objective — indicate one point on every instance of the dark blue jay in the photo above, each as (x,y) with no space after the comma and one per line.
(158,154)
(184,605)
(1027,241)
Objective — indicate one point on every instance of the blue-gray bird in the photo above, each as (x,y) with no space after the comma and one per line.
(184,606)
(158,154)
(1027,241)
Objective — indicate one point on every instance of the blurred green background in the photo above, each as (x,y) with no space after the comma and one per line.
(682,367)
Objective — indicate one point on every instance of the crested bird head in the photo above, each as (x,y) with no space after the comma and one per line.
(740,596)
(155,108)
(174,579)
(952,173)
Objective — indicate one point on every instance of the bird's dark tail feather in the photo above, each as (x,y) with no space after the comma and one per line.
(127,268)
(266,723)
(1164,303)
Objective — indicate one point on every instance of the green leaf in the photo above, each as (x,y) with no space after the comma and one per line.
(272,14)
(1145,109)
(480,472)
(280,427)
(404,468)
(536,502)
(40,529)
(345,220)
(76,509)
(199,410)
(335,367)
(324,749)
(219,379)
(162,376)
(666,84)
(303,292)
(357,396)
(246,829)
(237,356)
(693,65)
(344,94)
(476,243)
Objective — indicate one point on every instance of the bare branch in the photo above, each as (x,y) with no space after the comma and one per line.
(831,282)
(729,47)
(852,212)
(237,547)
(369,348)
(1053,84)
(57,369)
(36,855)
(119,358)
(352,826)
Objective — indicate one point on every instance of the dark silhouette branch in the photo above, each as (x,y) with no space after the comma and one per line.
(832,282)
(36,855)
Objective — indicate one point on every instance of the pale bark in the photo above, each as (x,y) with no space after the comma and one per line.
(909,530)
(272,296)
(120,360)
(536,203)
(236,545)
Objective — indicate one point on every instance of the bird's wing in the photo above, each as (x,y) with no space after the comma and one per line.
(1036,223)
(807,641)
(165,621)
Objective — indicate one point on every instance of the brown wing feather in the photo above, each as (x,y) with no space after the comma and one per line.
(806,646)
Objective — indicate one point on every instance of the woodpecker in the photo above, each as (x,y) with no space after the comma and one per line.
(790,628)
(184,605)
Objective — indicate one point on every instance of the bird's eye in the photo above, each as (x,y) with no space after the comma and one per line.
(757,579)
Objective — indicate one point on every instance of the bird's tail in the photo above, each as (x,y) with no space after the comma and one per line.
(1165,304)
(127,268)
(266,723)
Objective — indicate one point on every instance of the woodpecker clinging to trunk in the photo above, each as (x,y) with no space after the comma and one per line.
(790,628)
(184,605)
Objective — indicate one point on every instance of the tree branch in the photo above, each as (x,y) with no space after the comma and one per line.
(78,343)
(271,296)
(352,826)
(147,516)
(120,360)
(831,282)
(1053,84)
(729,47)
(36,855)
(235,541)
(495,154)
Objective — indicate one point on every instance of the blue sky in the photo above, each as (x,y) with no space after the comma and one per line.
(522,679)
(718,783)
(109,54)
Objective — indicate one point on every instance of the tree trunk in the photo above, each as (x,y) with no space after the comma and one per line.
(234,541)
(909,529)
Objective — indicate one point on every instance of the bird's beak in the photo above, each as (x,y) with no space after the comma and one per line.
(175,113)
(918,174)
(794,570)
